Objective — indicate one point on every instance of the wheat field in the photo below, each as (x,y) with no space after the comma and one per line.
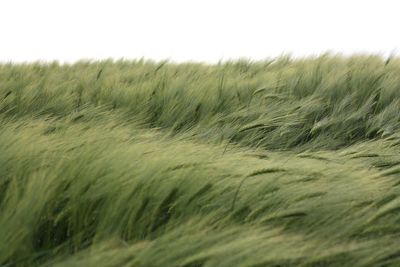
(281,162)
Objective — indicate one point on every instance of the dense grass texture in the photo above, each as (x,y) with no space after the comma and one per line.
(281,162)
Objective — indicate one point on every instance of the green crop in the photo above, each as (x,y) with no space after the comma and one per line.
(282,162)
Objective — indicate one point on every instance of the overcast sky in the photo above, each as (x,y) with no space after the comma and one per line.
(202,30)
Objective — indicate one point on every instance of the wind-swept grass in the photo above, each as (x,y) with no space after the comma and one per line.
(136,163)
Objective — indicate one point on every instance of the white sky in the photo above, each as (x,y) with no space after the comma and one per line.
(202,30)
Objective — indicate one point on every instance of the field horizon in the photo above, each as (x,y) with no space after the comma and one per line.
(280,162)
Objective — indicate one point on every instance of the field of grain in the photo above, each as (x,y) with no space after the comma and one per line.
(282,162)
